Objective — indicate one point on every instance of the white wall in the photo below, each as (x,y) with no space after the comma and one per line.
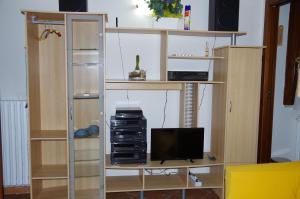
(13,69)
(285,124)
(12,53)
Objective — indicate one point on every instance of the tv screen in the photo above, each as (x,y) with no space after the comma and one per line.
(177,143)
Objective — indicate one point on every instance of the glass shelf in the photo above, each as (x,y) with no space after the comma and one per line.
(86,96)
(85,64)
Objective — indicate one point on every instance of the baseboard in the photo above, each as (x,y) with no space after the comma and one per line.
(16,190)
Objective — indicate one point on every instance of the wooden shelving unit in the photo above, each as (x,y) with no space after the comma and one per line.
(194,57)
(229,62)
(64,89)
(67,93)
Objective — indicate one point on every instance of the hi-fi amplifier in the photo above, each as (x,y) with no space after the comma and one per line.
(187,75)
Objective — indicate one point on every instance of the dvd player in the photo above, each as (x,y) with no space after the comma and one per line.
(187,75)
(129,113)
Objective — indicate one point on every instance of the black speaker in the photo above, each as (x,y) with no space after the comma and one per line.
(73,5)
(224,15)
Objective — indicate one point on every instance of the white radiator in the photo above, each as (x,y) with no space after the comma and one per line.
(14,129)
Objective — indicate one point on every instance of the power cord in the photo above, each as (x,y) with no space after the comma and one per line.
(165,107)
(122,62)
(209,66)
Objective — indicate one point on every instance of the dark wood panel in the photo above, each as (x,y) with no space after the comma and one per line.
(293,51)
(1,167)
(268,82)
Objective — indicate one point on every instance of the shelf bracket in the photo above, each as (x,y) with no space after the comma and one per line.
(233,39)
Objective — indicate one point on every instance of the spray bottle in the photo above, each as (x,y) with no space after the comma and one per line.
(187,17)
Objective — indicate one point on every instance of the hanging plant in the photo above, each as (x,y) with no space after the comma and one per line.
(165,8)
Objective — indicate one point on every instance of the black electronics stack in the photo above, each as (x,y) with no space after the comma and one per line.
(128,136)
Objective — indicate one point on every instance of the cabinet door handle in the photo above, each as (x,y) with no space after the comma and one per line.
(71,113)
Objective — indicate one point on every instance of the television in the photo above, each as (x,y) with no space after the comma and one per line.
(177,144)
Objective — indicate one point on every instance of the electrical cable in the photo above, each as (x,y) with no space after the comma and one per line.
(122,62)
(165,107)
(209,66)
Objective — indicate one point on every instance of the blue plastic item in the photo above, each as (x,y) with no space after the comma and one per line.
(81,133)
(93,130)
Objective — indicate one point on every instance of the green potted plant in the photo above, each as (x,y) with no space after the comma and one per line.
(137,74)
(165,8)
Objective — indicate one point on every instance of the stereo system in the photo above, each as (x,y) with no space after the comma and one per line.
(224,15)
(128,136)
(187,75)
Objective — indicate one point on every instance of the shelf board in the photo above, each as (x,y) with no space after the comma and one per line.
(164,182)
(205,162)
(48,172)
(151,84)
(123,183)
(174,32)
(86,96)
(194,57)
(49,135)
(56,192)
(84,138)
(87,155)
(85,64)
(87,169)
(209,181)
(87,194)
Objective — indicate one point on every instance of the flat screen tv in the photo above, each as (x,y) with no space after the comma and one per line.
(177,143)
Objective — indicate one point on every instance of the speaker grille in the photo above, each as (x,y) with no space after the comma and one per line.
(73,5)
(224,15)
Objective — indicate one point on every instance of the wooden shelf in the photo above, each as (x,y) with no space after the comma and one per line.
(56,192)
(50,172)
(49,135)
(87,169)
(194,57)
(209,181)
(205,162)
(87,155)
(123,183)
(84,138)
(87,194)
(174,32)
(164,182)
(151,84)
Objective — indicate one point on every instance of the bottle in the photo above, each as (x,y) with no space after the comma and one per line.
(206,50)
(187,17)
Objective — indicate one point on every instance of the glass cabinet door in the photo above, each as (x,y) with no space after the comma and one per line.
(86,105)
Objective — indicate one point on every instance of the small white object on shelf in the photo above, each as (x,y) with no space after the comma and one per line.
(195,180)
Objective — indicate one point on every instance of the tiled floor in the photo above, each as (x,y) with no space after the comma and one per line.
(190,194)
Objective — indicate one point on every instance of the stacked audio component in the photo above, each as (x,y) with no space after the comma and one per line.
(128,136)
